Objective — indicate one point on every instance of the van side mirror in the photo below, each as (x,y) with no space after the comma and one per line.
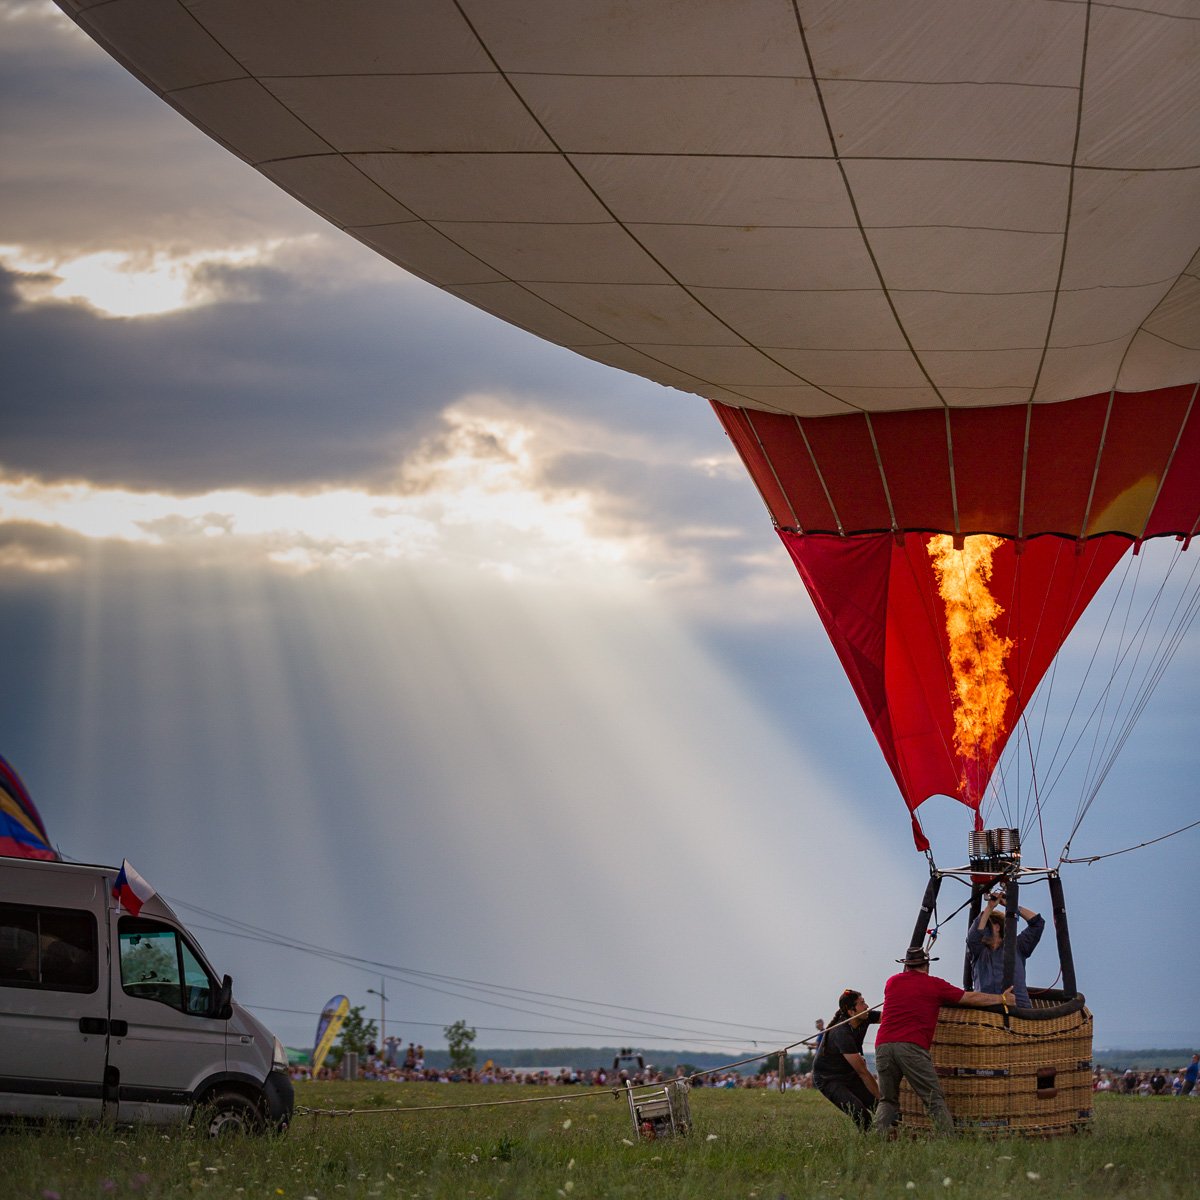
(223,1004)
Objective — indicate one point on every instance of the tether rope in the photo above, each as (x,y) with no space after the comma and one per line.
(606,1090)
(1091,858)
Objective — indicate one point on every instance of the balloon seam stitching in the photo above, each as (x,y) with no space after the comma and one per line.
(778,483)
(1024,473)
(820,475)
(566,158)
(1087,512)
(345,157)
(1062,258)
(834,151)
(953,484)
(887,492)
(745,462)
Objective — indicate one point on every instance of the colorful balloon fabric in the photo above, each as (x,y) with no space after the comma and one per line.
(22,834)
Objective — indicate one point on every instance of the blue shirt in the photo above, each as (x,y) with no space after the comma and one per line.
(987,966)
(1192,1070)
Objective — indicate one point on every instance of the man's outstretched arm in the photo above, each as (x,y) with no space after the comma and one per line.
(988,999)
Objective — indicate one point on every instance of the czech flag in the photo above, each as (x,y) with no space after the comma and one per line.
(130,890)
(22,834)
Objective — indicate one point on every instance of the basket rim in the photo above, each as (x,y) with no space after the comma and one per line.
(1075,1004)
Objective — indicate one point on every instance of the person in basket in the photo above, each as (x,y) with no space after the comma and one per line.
(985,945)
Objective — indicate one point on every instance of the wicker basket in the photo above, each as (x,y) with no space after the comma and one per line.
(1027,1073)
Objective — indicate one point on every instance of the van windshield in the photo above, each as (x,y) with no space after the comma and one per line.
(157,964)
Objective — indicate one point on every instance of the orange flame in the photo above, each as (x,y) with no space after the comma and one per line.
(977,653)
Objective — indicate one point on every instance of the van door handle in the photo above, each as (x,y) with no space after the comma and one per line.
(118,1028)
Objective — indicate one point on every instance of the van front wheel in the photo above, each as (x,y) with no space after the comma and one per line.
(230,1114)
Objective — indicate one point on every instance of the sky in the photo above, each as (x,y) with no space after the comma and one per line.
(346,611)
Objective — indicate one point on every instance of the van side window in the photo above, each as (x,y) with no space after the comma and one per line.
(52,948)
(157,964)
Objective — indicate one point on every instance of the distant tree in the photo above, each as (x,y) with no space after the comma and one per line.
(459,1039)
(357,1031)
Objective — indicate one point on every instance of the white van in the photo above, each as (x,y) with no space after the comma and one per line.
(103,1014)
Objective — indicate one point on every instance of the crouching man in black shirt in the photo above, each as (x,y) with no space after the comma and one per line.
(840,1071)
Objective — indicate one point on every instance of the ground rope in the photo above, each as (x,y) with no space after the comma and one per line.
(302,1110)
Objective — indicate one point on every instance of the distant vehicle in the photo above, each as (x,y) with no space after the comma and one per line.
(108,1015)
(626,1054)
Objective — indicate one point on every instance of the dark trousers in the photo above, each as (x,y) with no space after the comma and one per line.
(906,1060)
(853,1097)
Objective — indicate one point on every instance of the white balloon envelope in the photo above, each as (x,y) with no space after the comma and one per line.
(815,209)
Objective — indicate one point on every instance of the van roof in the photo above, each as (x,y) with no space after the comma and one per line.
(42,864)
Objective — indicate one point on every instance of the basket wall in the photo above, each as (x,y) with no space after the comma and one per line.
(1011,1099)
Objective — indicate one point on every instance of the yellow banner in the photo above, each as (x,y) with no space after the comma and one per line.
(330,1027)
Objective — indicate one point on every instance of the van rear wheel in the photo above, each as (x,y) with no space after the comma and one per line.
(231,1114)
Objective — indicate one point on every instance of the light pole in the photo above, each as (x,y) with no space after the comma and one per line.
(382,1013)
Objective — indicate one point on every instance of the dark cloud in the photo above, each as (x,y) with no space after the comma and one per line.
(28,550)
(284,381)
(280,384)
(91,159)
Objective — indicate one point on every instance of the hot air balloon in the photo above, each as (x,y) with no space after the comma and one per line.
(934,265)
(22,834)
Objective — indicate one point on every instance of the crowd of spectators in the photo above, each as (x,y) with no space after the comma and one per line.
(395,1065)
(1162,1081)
(373,1068)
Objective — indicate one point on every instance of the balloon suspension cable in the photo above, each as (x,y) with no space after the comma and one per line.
(936,928)
(1113,853)
(1033,779)
(1176,625)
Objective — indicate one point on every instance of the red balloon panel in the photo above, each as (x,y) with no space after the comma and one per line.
(891,618)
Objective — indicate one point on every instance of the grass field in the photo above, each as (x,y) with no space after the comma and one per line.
(745,1143)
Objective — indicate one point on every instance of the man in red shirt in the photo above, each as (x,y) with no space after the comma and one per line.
(911,1001)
